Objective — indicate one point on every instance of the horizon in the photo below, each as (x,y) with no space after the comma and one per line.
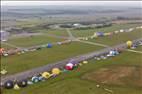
(72,3)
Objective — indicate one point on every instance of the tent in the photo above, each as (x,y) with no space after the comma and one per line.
(49,45)
(22,83)
(45,75)
(56,71)
(9,84)
(69,66)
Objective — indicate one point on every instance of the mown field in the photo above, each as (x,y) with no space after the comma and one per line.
(33,40)
(57,32)
(29,60)
(6,46)
(73,82)
(41,57)
(90,32)
(118,38)
(46,38)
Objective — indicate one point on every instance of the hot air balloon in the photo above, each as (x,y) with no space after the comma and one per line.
(22,83)
(56,71)
(9,84)
(35,79)
(49,45)
(45,75)
(69,66)
(129,44)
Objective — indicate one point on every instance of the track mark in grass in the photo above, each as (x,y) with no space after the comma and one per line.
(92,43)
(134,51)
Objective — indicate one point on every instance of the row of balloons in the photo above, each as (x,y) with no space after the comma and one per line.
(41,77)
(45,75)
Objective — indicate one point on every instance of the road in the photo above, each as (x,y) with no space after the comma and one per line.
(61,64)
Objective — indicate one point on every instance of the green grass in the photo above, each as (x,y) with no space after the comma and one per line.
(29,60)
(139,48)
(118,38)
(32,41)
(89,32)
(6,46)
(57,32)
(72,82)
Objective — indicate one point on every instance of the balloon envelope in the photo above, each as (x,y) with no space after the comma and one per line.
(49,45)
(56,71)
(35,79)
(69,66)
(9,84)
(22,83)
(129,43)
(46,75)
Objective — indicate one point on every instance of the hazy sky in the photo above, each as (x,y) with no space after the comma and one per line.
(106,3)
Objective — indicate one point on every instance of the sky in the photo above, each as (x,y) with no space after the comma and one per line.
(37,3)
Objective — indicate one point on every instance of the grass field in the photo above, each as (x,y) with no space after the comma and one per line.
(6,46)
(74,83)
(18,63)
(90,32)
(57,32)
(45,56)
(139,48)
(33,41)
(118,38)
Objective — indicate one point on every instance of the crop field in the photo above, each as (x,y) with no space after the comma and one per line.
(85,78)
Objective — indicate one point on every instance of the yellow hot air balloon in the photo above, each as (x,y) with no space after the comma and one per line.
(45,75)
(129,43)
(56,71)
